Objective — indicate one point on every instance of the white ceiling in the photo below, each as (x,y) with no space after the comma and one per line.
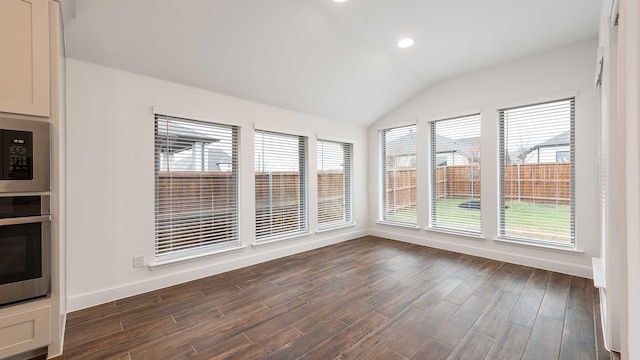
(334,60)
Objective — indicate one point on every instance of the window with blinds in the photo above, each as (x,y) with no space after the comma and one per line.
(334,184)
(398,164)
(281,185)
(537,170)
(455,174)
(196,186)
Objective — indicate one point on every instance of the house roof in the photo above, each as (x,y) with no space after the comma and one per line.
(560,139)
(180,138)
(215,158)
(406,145)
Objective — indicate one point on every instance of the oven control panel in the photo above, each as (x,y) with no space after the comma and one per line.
(17,155)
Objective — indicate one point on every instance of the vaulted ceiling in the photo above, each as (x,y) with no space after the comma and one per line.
(334,60)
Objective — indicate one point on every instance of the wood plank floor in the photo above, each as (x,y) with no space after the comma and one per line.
(368,298)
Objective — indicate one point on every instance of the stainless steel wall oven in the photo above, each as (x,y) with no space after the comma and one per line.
(25,248)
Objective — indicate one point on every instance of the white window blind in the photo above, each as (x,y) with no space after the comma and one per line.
(398,164)
(455,174)
(196,185)
(334,184)
(537,198)
(281,184)
(602,150)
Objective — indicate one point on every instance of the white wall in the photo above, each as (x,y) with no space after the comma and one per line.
(629,77)
(110,175)
(542,77)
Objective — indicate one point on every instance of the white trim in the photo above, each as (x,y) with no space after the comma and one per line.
(482,251)
(282,130)
(277,239)
(334,139)
(538,100)
(454,115)
(396,125)
(398,224)
(208,268)
(337,227)
(163,263)
(462,234)
(160,111)
(599,273)
(542,246)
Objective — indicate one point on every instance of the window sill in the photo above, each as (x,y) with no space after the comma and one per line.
(468,235)
(337,227)
(276,240)
(403,225)
(163,263)
(542,246)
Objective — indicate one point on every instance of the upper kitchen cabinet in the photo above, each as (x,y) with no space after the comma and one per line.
(24,63)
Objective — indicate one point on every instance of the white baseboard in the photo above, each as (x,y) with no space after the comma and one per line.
(86,300)
(248,258)
(541,263)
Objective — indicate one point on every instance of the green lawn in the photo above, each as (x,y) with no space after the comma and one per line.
(549,222)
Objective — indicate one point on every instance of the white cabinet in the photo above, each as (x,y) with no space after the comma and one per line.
(24,331)
(24,59)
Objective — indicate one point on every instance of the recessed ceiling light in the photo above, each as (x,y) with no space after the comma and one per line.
(339,1)
(405,43)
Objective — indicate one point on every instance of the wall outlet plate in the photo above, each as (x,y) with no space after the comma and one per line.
(138,261)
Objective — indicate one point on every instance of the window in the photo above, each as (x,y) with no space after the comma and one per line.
(398,163)
(196,185)
(334,184)
(281,184)
(455,174)
(563,156)
(537,201)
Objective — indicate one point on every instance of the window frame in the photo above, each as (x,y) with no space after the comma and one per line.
(501,223)
(210,248)
(303,186)
(432,169)
(382,166)
(347,181)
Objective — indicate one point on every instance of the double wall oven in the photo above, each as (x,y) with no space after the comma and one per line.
(25,220)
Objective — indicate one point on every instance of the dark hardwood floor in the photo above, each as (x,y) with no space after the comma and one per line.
(368,298)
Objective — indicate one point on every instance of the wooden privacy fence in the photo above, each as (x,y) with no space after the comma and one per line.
(401,189)
(541,183)
(458,182)
(189,192)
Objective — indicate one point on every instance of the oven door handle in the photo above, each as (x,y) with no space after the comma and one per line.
(25,220)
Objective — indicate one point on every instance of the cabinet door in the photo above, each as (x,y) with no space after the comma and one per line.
(25,331)
(24,59)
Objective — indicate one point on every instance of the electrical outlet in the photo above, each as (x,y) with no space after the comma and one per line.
(138,261)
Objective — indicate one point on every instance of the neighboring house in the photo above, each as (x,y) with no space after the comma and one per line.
(186,149)
(455,152)
(401,152)
(215,160)
(552,150)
